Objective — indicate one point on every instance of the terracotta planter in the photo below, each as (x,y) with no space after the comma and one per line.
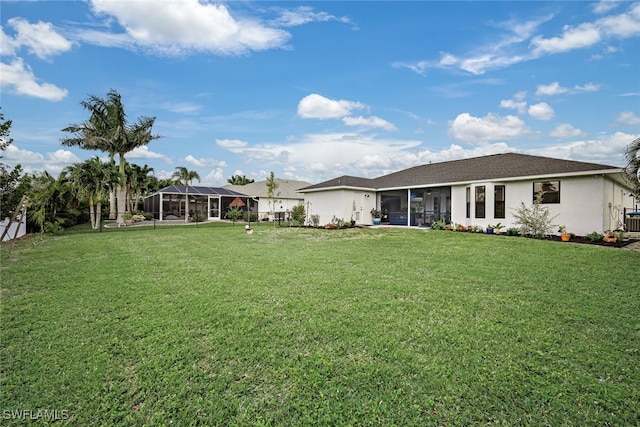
(565,237)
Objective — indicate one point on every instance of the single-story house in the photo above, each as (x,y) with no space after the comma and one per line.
(284,200)
(210,202)
(482,191)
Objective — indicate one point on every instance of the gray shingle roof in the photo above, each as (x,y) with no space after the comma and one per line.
(286,187)
(493,167)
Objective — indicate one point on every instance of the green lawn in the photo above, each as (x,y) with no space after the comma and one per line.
(184,325)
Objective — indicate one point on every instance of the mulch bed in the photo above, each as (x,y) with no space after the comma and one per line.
(586,241)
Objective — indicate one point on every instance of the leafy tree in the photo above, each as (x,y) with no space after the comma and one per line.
(239,180)
(185,176)
(632,170)
(108,130)
(13,184)
(5,126)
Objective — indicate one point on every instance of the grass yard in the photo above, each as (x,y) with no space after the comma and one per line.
(210,326)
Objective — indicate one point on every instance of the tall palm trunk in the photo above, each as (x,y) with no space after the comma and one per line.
(112,204)
(98,215)
(92,213)
(121,197)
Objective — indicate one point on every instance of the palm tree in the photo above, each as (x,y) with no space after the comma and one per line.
(632,170)
(239,180)
(138,178)
(92,179)
(108,130)
(183,175)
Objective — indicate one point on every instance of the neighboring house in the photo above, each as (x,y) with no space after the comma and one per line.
(210,202)
(285,197)
(481,191)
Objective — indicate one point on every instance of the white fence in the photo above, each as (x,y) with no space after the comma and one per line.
(21,225)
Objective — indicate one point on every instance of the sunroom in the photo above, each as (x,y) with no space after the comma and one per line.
(208,203)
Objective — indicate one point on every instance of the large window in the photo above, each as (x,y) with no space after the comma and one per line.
(480,200)
(550,191)
(468,202)
(498,202)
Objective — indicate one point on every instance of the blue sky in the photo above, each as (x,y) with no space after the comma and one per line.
(314,90)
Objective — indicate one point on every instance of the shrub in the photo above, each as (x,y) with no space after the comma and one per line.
(594,236)
(315,220)
(298,213)
(513,231)
(534,220)
(234,214)
(52,228)
(438,225)
(250,216)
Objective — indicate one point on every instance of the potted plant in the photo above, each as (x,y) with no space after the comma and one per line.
(377,215)
(609,237)
(564,236)
(494,228)
(127,218)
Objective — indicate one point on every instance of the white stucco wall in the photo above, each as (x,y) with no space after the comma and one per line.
(281,205)
(340,203)
(587,204)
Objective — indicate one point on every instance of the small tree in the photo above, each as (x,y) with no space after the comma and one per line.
(272,194)
(534,220)
(298,213)
(234,214)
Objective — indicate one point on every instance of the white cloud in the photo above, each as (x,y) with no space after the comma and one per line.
(202,162)
(370,122)
(551,89)
(565,131)
(489,128)
(215,177)
(62,157)
(584,35)
(628,118)
(41,39)
(316,106)
(604,6)
(520,106)
(304,15)
(541,111)
(181,26)
(231,144)
(589,87)
(144,153)
(19,78)
(17,155)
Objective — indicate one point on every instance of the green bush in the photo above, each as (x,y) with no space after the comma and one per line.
(53,228)
(594,236)
(438,225)
(513,231)
(250,216)
(298,213)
